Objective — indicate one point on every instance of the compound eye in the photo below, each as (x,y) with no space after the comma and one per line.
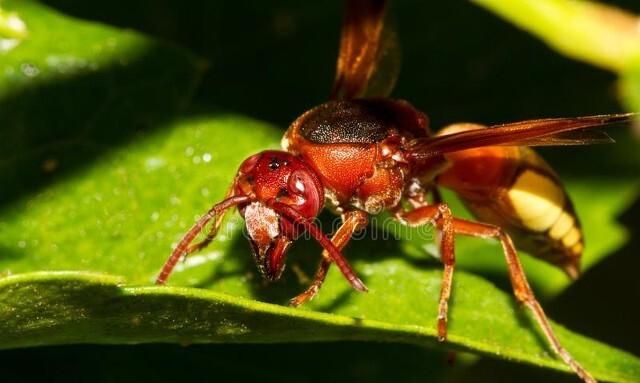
(298,184)
(303,184)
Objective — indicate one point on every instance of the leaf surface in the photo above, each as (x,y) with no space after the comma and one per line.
(80,256)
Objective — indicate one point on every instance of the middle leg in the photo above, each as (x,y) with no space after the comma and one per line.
(440,216)
(352,221)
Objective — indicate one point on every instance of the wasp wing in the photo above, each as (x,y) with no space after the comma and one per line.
(571,138)
(543,132)
(369,60)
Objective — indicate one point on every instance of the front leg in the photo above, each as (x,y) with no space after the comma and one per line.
(352,221)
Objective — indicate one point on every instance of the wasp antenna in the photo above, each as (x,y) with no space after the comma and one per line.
(319,236)
(183,246)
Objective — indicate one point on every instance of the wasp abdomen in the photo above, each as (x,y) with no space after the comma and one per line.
(542,206)
(514,188)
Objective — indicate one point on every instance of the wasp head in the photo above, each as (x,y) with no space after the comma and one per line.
(278,195)
(273,179)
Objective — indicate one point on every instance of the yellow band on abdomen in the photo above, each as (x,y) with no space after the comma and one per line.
(537,200)
(541,206)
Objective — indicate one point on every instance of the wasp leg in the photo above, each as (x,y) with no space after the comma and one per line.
(184,248)
(418,198)
(213,231)
(440,216)
(522,290)
(318,280)
(352,221)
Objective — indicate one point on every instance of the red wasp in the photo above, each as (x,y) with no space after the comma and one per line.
(361,153)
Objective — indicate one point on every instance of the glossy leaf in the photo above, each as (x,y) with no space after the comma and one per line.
(71,89)
(11,28)
(630,89)
(120,217)
(112,216)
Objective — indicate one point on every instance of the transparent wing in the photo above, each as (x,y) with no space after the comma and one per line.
(369,58)
(544,132)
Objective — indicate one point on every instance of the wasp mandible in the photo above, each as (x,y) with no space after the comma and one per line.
(362,153)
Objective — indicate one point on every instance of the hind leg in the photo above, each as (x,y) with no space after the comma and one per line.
(440,216)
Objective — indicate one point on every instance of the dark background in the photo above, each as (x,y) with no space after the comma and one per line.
(273,60)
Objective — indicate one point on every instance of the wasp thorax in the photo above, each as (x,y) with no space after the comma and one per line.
(271,178)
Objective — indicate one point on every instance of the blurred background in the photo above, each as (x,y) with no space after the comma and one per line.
(270,61)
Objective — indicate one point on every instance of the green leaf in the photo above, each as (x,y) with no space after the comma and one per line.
(70,90)
(120,217)
(630,88)
(80,308)
(11,28)
(118,214)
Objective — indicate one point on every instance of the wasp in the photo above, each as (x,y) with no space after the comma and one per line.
(362,153)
